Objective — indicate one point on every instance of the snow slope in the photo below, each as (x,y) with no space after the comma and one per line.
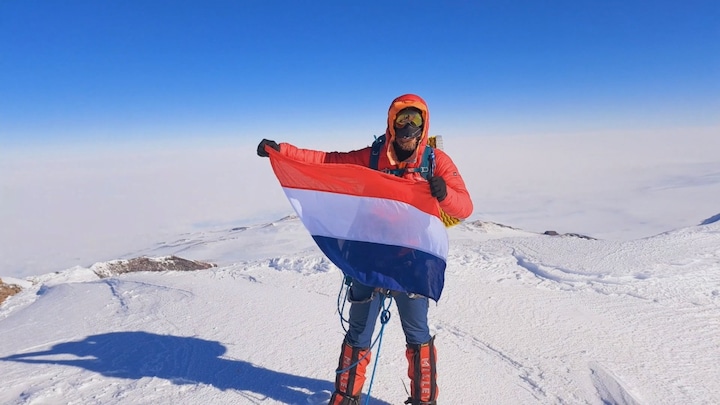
(525,319)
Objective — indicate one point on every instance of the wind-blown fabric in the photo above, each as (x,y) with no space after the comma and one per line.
(381,230)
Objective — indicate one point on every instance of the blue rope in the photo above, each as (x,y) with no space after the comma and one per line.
(341,307)
(384,318)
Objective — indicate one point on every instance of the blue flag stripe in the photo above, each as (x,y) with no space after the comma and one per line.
(390,267)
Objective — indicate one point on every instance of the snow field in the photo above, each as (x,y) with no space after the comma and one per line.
(524,319)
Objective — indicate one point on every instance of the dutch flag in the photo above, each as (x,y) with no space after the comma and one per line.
(381,230)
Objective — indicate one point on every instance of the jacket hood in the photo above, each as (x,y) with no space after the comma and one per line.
(404,101)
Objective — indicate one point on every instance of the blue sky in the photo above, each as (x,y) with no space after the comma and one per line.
(100,71)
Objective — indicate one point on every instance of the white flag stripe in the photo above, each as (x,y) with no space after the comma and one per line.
(369,219)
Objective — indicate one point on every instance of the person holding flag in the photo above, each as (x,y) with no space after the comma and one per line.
(406,259)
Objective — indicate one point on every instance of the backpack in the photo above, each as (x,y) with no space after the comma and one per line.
(427,164)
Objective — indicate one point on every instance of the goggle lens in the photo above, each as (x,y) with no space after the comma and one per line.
(413,118)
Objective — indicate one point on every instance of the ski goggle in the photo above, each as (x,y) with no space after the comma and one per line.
(413,118)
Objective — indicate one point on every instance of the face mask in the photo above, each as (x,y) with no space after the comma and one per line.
(408,131)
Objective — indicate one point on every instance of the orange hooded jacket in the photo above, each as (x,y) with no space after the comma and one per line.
(457,203)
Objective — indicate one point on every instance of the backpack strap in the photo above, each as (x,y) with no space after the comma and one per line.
(426,168)
(375,153)
(427,164)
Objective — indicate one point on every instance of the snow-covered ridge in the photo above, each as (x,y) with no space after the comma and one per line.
(502,230)
(249,245)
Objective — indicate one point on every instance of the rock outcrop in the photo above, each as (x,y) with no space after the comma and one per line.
(168,263)
(8,290)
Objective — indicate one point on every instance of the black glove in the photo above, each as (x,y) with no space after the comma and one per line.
(438,189)
(261,148)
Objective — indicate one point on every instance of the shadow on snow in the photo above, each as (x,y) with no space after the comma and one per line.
(182,360)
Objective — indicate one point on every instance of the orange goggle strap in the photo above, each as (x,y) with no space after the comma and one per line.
(397,106)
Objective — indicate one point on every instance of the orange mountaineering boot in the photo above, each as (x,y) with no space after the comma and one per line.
(350,375)
(422,373)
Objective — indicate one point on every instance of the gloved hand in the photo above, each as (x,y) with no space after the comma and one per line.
(438,188)
(261,148)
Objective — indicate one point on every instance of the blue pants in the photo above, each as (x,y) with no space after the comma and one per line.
(365,308)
